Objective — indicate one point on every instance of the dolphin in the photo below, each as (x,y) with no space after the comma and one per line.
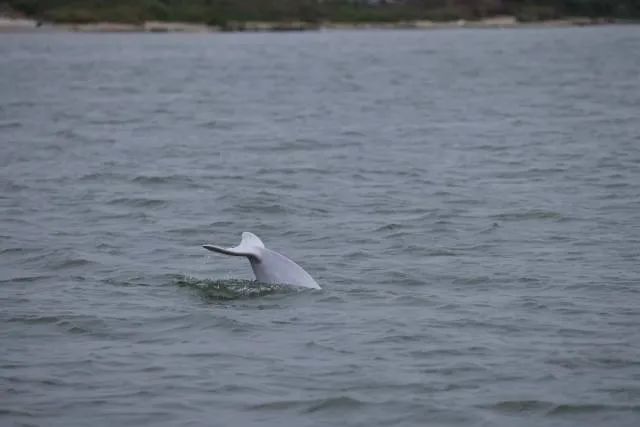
(268,266)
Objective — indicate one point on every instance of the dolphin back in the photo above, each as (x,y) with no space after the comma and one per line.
(272,267)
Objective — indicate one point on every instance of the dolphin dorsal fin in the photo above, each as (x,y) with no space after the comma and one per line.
(249,246)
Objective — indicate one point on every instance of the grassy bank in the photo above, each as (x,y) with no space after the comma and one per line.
(238,14)
(28,25)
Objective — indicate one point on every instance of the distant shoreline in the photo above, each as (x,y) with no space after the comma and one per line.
(30,25)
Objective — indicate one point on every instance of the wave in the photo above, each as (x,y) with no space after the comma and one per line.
(550,408)
(138,202)
(339,403)
(68,263)
(528,215)
(170,180)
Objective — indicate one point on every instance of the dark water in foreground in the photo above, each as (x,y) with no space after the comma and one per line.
(468,199)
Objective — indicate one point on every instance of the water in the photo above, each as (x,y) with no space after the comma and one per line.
(467,199)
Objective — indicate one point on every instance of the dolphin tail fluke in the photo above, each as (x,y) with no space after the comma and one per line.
(249,246)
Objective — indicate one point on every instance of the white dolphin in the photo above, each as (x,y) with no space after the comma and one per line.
(268,266)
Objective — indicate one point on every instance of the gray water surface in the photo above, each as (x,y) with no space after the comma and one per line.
(469,200)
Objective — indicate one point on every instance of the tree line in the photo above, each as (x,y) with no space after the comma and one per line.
(221,12)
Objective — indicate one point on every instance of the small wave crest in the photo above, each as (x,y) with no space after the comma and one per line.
(180,181)
(138,202)
(331,404)
(550,408)
(529,215)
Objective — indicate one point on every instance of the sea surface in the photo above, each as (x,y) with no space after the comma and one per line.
(469,201)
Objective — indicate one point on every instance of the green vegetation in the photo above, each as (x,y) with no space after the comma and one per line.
(223,12)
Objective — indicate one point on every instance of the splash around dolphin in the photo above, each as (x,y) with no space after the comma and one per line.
(268,266)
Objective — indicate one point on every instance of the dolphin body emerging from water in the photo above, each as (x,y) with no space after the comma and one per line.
(268,266)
